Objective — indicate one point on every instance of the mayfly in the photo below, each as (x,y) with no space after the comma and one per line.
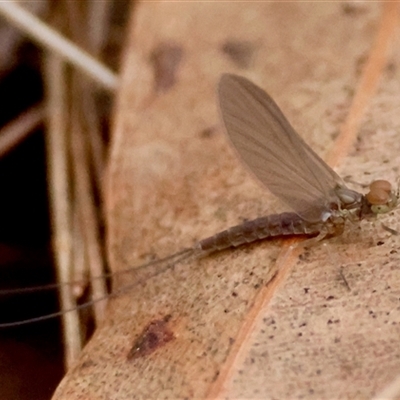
(289,168)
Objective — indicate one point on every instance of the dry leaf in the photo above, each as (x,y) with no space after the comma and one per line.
(326,326)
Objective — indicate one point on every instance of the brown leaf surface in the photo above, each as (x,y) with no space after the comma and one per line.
(255,322)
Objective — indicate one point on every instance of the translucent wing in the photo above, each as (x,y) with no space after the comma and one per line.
(274,151)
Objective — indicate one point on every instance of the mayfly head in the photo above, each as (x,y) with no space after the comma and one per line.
(381,197)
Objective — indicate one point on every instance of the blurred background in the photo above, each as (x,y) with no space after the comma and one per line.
(53,142)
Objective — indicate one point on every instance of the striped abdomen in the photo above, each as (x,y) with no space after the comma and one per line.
(261,228)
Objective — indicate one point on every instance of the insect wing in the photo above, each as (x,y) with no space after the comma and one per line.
(274,151)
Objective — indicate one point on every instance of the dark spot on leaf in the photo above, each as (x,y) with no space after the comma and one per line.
(241,52)
(165,59)
(154,336)
(335,321)
(391,68)
(216,374)
(352,9)
(87,364)
(208,132)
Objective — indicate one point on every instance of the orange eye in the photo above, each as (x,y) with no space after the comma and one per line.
(378,196)
(381,185)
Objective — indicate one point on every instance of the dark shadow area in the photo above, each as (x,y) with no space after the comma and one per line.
(30,355)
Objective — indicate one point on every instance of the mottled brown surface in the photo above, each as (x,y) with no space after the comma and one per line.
(239,332)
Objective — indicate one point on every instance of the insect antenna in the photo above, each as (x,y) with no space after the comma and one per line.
(170,261)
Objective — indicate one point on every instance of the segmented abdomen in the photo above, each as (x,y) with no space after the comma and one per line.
(261,228)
